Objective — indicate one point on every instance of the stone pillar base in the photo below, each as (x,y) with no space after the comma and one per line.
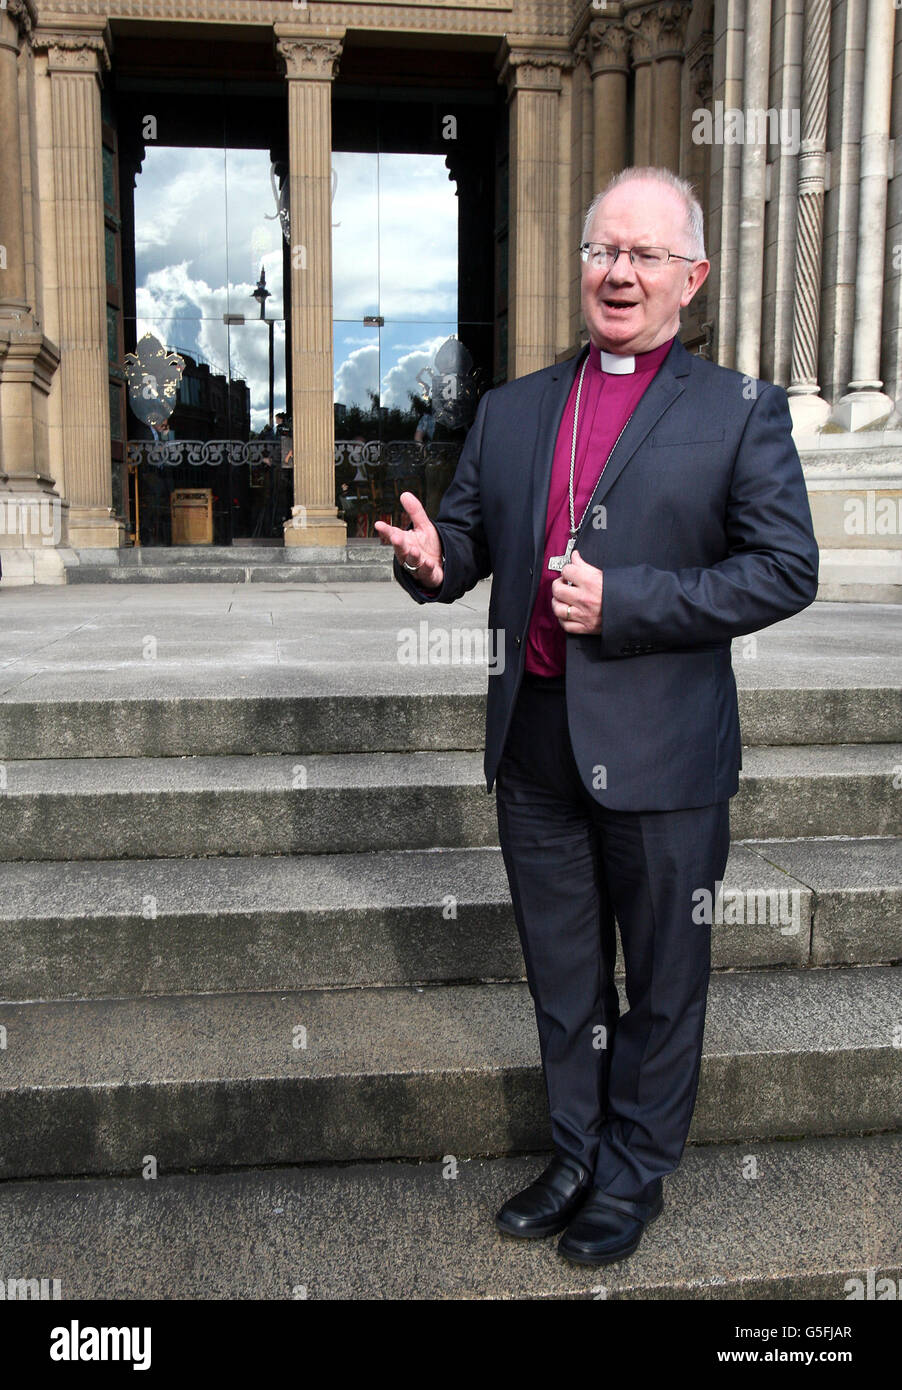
(31,518)
(809,412)
(95,527)
(23,566)
(315,526)
(861,407)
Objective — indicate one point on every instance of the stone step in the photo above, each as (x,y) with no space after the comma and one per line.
(811,1217)
(358,552)
(182,724)
(160,713)
(220,1080)
(113,808)
(233,572)
(181,926)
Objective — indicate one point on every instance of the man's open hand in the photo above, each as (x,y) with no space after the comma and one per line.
(576,597)
(420,546)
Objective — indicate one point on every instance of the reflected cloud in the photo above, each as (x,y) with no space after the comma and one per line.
(357,376)
(201,237)
(402,377)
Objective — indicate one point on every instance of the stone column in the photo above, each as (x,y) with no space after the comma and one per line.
(865,403)
(784,147)
(698,81)
(753,185)
(609,65)
(13,303)
(840,254)
(32,520)
(640,26)
(695,165)
(77,56)
(809,411)
(658,35)
(311,56)
(531,70)
(723,205)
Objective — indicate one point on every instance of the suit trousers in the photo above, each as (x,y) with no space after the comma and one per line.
(621,1088)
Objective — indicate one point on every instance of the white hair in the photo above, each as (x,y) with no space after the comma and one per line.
(695,229)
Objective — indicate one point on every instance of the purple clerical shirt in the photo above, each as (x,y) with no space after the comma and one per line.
(605,404)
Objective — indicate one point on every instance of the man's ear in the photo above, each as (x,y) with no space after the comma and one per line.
(694,281)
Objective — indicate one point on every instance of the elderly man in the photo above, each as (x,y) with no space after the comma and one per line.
(638,508)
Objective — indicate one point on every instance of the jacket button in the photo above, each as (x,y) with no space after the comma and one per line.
(530,569)
(517,641)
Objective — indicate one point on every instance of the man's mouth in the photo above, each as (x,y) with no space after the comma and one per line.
(619,305)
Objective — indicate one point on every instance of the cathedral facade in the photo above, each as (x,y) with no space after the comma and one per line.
(242,239)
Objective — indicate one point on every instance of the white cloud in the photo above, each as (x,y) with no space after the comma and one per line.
(357,375)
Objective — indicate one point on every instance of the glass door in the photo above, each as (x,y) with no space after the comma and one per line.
(412,336)
(208,429)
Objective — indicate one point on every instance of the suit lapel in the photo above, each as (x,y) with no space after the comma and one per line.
(551,409)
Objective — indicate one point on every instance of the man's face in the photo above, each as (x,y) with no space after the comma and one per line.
(629,309)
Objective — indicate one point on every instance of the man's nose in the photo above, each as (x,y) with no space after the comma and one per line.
(621,272)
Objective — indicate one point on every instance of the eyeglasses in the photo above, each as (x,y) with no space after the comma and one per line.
(602,256)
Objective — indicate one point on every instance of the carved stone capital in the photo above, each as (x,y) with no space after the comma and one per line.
(609,45)
(309,54)
(533,65)
(75,46)
(658,31)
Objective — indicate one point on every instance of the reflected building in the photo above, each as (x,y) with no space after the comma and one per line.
(406,181)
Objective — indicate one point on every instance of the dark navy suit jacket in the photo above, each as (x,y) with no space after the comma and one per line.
(704,533)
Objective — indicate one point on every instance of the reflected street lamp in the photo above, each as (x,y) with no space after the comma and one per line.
(261,294)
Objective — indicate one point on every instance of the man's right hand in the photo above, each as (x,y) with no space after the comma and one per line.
(420,546)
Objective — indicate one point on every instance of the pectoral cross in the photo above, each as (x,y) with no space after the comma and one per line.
(557,562)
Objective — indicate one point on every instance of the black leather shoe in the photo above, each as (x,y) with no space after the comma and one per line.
(547,1204)
(608,1228)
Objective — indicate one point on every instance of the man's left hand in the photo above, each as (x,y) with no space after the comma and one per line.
(576,597)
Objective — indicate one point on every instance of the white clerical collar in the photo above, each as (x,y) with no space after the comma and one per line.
(616,365)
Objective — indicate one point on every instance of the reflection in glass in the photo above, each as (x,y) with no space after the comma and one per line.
(202,233)
(406,350)
(180,234)
(203,409)
(207,235)
(394,252)
(254,232)
(417,238)
(355,236)
(356,350)
(249,362)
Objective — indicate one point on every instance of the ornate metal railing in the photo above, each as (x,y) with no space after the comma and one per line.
(175,453)
(393,454)
(396,454)
(370,475)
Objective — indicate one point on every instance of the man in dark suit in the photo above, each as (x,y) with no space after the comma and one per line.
(638,508)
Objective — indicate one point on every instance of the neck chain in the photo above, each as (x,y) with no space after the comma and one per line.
(557,562)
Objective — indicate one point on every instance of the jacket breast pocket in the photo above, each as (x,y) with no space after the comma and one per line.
(707,434)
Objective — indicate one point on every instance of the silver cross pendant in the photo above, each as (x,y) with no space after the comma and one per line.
(557,562)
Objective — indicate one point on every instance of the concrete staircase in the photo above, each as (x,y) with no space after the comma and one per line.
(263,947)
